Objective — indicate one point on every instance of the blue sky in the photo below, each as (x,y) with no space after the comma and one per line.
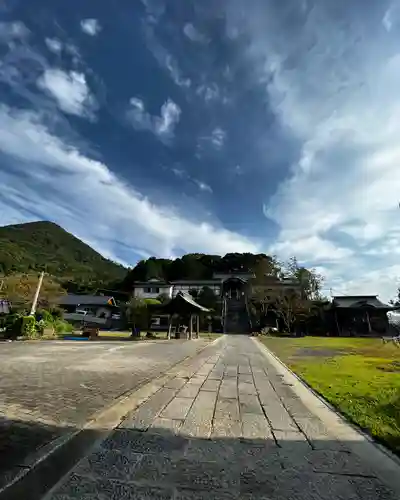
(160,127)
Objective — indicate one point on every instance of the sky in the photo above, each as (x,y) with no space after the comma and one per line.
(163,127)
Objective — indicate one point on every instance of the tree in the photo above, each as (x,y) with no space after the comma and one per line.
(137,314)
(207,298)
(288,305)
(309,280)
(396,300)
(20,290)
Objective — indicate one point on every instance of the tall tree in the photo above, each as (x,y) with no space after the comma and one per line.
(396,300)
(20,290)
(309,280)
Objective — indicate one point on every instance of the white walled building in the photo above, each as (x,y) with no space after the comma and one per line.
(231,285)
(152,288)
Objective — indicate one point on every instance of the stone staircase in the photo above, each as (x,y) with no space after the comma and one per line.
(236,317)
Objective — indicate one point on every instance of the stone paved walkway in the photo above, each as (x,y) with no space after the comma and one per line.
(227,427)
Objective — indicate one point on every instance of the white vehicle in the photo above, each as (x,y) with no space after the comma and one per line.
(81,311)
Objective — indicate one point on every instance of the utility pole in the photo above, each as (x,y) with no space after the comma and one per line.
(35,299)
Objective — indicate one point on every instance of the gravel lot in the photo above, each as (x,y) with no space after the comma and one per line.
(49,388)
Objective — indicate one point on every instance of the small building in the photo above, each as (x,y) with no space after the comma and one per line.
(90,308)
(359,315)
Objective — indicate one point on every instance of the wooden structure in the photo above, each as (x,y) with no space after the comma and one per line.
(359,315)
(185,311)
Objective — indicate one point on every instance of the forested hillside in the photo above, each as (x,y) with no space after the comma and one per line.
(198,266)
(37,246)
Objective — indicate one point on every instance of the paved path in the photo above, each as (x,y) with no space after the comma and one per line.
(48,389)
(228,426)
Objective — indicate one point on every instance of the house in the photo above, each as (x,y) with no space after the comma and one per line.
(360,315)
(5,306)
(89,308)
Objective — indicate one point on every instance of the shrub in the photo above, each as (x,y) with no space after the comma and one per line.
(61,326)
(28,327)
(13,326)
(45,316)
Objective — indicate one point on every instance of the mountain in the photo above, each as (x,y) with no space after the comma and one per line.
(37,246)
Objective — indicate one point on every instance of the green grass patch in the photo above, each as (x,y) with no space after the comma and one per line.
(360,377)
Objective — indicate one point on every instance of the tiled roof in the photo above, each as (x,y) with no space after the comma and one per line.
(359,301)
(90,300)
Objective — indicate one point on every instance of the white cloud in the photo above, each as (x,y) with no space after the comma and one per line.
(90,26)
(194,34)
(54,45)
(165,59)
(13,31)
(218,137)
(162,126)
(338,98)
(47,176)
(179,172)
(175,73)
(70,90)
(209,92)
(318,248)
(203,186)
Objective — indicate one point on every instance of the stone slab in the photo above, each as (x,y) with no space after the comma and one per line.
(246,388)
(177,409)
(256,427)
(198,421)
(85,488)
(143,417)
(279,418)
(190,390)
(210,385)
(228,389)
(166,424)
(249,403)
(132,441)
(227,409)
(226,428)
(109,464)
(186,494)
(176,383)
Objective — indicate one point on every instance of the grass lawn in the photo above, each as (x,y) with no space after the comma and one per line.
(360,377)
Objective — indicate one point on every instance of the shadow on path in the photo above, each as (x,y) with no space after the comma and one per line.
(165,464)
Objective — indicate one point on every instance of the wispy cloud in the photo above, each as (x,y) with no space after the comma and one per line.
(341,195)
(70,90)
(82,201)
(13,30)
(162,126)
(54,45)
(90,26)
(194,34)
(203,186)
(218,137)
(209,92)
(182,174)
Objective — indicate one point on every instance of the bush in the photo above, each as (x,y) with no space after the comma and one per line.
(45,316)
(61,326)
(13,326)
(28,327)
